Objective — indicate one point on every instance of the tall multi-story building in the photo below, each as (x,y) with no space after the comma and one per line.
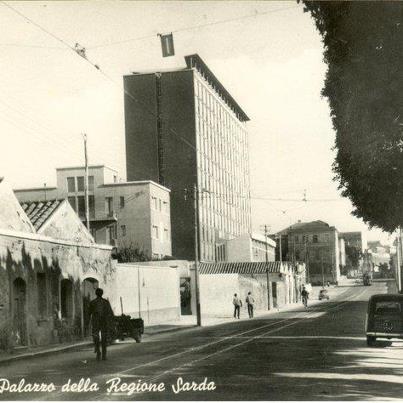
(317,244)
(121,213)
(184,129)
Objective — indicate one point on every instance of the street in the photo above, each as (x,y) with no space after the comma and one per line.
(314,354)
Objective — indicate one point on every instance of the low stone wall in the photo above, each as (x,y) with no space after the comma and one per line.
(41,287)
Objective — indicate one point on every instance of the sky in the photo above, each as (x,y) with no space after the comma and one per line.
(268,55)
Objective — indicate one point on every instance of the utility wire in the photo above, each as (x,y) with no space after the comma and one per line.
(193,27)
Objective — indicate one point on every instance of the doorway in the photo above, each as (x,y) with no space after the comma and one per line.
(186,296)
(19,311)
(274,293)
(89,286)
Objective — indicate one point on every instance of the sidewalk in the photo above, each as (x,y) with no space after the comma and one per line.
(185,322)
(25,352)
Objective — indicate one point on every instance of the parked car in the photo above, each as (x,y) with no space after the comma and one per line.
(384,317)
(323,294)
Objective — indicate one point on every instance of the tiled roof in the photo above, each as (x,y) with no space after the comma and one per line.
(39,211)
(240,267)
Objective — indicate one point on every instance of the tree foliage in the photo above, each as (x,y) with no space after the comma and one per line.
(363,48)
(130,253)
(353,256)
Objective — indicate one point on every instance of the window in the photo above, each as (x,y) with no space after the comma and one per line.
(80,183)
(91,206)
(314,238)
(160,204)
(71,185)
(115,178)
(122,201)
(72,201)
(81,206)
(42,293)
(109,206)
(326,237)
(166,208)
(154,204)
(90,183)
(166,234)
(123,230)
(155,232)
(296,238)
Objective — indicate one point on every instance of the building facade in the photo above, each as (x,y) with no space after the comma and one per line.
(121,214)
(248,248)
(185,131)
(317,244)
(49,269)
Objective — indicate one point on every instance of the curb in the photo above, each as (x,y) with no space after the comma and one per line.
(55,350)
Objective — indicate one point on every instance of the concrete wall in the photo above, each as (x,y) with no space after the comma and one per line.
(217,292)
(149,292)
(239,249)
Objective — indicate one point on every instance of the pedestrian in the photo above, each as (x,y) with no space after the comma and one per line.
(250,301)
(101,315)
(305,296)
(237,306)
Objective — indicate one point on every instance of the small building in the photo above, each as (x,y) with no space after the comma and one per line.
(317,244)
(122,214)
(247,248)
(49,269)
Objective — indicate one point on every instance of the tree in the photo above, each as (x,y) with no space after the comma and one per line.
(130,253)
(353,256)
(363,48)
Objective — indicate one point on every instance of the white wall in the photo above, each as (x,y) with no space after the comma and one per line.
(147,291)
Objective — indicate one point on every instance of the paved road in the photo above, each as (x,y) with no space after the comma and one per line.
(314,354)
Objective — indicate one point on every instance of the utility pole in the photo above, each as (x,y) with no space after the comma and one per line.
(266,232)
(196,227)
(44,188)
(323,275)
(281,252)
(399,260)
(87,214)
(306,259)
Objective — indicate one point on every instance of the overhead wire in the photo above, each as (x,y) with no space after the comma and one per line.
(145,106)
(194,27)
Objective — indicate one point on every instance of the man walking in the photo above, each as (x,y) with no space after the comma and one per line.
(101,317)
(250,301)
(237,306)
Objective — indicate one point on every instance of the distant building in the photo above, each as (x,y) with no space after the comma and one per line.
(317,244)
(355,239)
(248,248)
(355,247)
(121,213)
(183,130)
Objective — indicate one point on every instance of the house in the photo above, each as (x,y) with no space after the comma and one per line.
(49,269)
(122,214)
(317,244)
(246,248)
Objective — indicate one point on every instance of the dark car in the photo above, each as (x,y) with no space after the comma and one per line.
(323,294)
(384,317)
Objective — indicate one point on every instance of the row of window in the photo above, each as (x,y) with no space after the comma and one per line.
(159,204)
(78,204)
(160,233)
(77,183)
(312,238)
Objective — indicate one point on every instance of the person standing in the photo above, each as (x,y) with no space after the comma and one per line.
(237,306)
(101,315)
(250,301)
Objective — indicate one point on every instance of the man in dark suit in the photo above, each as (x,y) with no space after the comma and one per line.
(101,319)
